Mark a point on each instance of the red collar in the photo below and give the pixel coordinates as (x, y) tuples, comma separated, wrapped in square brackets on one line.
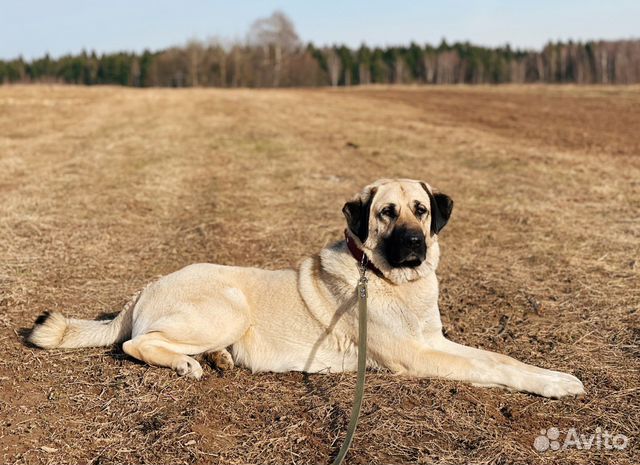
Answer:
[(357, 253)]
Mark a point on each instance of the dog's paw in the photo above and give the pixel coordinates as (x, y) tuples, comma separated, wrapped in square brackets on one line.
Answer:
[(189, 367), (557, 385), (220, 359)]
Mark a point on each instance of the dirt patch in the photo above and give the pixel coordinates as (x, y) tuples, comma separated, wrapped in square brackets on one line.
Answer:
[(105, 188), (587, 119)]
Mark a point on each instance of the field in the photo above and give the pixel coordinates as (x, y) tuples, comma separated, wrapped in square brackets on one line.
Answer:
[(103, 189)]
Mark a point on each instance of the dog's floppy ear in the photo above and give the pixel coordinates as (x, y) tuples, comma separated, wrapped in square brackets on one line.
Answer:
[(357, 214), (441, 208)]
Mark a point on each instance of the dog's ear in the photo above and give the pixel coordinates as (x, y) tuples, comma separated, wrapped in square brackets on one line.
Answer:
[(357, 214), (441, 208)]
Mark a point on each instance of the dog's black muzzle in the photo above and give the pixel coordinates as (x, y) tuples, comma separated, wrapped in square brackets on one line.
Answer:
[(405, 247)]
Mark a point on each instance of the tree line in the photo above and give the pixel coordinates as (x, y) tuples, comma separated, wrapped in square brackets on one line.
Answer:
[(273, 56)]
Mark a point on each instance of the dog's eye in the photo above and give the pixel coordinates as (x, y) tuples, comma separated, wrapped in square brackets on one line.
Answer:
[(389, 211), (421, 210)]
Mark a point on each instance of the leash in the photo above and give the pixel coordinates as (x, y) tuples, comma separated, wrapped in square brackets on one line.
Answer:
[(362, 360)]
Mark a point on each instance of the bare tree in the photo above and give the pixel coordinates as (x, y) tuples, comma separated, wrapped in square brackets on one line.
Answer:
[(364, 74), (195, 52), (334, 65), (134, 78), (398, 71), (446, 64), (276, 33), (429, 64), (277, 29)]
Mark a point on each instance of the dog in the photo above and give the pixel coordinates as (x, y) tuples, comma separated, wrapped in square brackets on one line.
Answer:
[(305, 319)]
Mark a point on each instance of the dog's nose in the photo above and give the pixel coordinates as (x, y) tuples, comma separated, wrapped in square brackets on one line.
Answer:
[(413, 240)]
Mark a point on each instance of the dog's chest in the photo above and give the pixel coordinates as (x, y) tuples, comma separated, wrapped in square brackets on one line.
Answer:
[(409, 309)]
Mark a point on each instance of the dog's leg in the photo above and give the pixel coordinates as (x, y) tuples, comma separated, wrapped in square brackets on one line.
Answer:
[(155, 349), (445, 345), (470, 365)]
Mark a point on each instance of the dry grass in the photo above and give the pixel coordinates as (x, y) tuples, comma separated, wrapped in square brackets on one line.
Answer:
[(104, 188)]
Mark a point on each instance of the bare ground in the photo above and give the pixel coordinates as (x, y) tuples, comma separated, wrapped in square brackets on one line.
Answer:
[(102, 189)]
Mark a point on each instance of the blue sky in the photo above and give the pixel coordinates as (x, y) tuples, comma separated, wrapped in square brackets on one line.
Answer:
[(31, 28)]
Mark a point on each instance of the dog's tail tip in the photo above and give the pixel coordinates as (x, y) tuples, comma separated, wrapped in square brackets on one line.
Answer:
[(49, 330)]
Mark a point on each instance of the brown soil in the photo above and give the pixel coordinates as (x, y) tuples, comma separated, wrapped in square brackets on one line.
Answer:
[(105, 188)]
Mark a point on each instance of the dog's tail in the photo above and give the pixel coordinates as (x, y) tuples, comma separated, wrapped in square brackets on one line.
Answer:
[(54, 330)]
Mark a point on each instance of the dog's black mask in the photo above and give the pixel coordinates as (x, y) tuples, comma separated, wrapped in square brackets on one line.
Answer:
[(405, 247)]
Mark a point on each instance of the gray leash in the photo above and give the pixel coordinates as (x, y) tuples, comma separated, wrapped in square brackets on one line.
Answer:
[(362, 361)]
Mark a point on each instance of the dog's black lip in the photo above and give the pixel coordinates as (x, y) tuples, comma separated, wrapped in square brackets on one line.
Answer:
[(412, 262)]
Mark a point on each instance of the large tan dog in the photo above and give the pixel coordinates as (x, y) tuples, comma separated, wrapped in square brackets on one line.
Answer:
[(306, 319)]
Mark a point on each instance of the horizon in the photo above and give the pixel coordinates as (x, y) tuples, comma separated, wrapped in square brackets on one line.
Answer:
[(122, 27)]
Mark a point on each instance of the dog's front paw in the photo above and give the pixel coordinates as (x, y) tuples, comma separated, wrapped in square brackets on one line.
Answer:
[(556, 385), (189, 367)]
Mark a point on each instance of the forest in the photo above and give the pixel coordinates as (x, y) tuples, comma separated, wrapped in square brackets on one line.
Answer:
[(273, 55)]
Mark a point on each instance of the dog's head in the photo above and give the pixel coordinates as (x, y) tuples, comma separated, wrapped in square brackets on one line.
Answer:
[(396, 222)]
